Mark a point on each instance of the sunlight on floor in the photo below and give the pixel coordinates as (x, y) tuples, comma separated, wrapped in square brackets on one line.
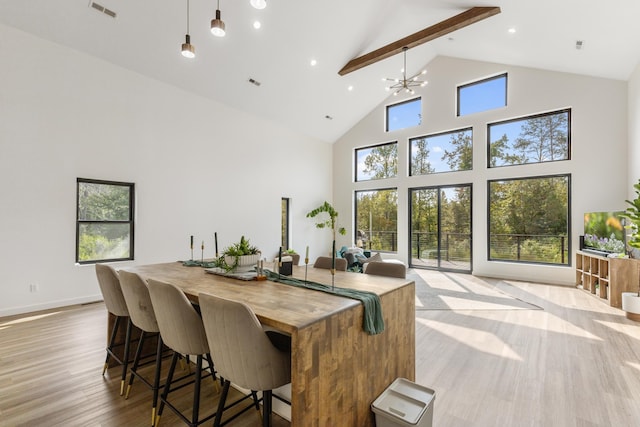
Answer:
[(630, 330), (27, 319), (482, 341)]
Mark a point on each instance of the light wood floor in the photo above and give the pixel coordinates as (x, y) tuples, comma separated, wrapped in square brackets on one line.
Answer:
[(574, 363)]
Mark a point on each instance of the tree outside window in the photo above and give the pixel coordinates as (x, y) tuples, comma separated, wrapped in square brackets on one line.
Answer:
[(529, 219), (104, 225), (377, 162), (534, 139), (443, 152), (377, 219)]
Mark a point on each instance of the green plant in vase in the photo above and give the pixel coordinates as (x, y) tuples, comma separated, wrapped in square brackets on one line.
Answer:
[(330, 222), (241, 254)]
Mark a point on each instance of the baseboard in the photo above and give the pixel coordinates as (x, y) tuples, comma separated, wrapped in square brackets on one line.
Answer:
[(48, 305)]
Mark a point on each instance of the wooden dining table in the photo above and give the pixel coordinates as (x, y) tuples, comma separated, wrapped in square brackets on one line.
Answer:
[(337, 369)]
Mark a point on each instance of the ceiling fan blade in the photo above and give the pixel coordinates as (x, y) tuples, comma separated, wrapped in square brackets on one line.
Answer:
[(447, 26)]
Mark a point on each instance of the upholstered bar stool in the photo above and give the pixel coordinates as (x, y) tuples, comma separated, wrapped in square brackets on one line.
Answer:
[(325, 262), (136, 295), (116, 305), (182, 331), (242, 351), (389, 269)]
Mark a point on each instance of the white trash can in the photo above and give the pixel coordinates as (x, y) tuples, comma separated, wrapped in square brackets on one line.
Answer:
[(404, 403)]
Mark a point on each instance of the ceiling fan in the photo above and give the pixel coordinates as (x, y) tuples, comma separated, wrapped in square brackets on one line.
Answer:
[(468, 17)]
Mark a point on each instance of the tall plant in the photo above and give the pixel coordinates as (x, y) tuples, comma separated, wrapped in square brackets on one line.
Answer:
[(632, 213), (330, 222)]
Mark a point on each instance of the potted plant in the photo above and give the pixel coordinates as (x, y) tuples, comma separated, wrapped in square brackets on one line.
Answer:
[(240, 256), (631, 300), (329, 222)]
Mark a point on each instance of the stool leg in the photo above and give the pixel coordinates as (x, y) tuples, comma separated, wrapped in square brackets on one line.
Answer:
[(111, 341), (221, 402), (136, 362), (156, 380), (125, 358), (196, 391), (266, 408), (167, 386)]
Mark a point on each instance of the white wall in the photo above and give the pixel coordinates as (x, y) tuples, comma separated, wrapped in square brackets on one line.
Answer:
[(199, 167), (598, 164)]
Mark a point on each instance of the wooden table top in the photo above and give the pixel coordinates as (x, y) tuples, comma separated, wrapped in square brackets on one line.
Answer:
[(285, 307)]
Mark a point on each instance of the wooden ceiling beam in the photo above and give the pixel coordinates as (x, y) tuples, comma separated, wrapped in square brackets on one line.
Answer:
[(447, 26)]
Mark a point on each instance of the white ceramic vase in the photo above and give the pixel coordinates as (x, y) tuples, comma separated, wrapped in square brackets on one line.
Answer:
[(245, 262), (631, 305)]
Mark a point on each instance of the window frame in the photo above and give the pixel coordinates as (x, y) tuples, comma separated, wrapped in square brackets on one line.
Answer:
[(286, 222), (479, 82), (130, 221), (524, 118), (355, 218), (397, 104), (433, 135), (569, 222), (355, 160)]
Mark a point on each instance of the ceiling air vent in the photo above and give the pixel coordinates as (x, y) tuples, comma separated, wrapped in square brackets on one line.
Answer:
[(101, 8)]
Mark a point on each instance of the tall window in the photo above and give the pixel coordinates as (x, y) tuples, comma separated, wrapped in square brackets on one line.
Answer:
[(104, 224), (284, 240), (443, 152), (404, 114), (483, 95), (534, 139), (377, 162), (529, 219), (440, 227), (376, 225)]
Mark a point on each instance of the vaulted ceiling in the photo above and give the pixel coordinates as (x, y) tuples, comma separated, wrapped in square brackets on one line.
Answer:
[(146, 36)]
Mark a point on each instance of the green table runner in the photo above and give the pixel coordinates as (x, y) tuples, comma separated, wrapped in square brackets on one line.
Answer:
[(373, 323)]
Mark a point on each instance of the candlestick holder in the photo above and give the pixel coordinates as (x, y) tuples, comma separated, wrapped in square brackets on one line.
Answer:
[(333, 279), (306, 267)]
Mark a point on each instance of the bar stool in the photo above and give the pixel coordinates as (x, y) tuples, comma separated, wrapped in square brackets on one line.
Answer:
[(389, 269), (116, 305), (182, 331), (325, 262), (136, 295), (243, 352)]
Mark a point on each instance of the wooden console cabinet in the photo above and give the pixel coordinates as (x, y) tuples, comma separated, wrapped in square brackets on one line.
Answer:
[(606, 277)]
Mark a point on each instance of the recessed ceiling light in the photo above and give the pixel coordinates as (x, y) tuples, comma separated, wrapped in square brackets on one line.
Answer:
[(350, 88), (257, 25), (512, 30), (313, 62)]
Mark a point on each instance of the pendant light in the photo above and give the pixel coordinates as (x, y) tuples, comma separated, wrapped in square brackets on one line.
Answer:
[(217, 24), (188, 50), (258, 4)]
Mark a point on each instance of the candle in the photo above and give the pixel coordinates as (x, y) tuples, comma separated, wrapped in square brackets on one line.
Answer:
[(280, 256), (191, 242), (307, 253), (333, 256), (202, 245), (215, 237)]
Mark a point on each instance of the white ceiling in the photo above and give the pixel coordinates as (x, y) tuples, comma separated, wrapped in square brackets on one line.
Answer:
[(147, 34)]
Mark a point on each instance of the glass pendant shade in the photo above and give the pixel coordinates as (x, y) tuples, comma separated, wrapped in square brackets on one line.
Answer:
[(188, 50), (217, 25), (258, 4)]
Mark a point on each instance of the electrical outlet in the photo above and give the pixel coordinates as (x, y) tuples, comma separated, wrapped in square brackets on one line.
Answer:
[(33, 287)]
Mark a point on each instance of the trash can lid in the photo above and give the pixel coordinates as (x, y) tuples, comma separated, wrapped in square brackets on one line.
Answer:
[(404, 400)]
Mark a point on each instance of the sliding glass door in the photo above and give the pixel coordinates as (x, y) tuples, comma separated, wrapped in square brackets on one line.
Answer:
[(440, 227)]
